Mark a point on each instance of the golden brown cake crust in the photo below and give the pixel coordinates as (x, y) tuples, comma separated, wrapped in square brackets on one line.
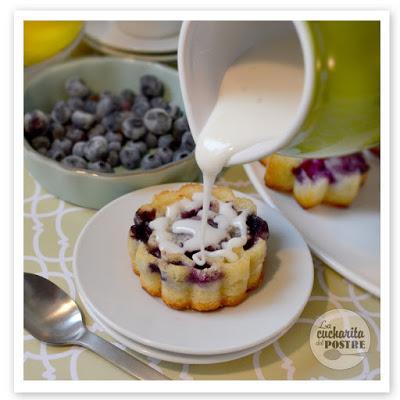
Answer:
[(164, 277), (278, 174)]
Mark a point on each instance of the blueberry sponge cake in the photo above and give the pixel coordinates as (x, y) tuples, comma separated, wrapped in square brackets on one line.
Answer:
[(335, 181), (164, 247)]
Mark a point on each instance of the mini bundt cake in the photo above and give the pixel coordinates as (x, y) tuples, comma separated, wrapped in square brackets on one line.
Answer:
[(335, 181), (164, 248)]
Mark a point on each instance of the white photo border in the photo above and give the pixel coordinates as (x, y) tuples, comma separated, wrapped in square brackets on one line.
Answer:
[(242, 386)]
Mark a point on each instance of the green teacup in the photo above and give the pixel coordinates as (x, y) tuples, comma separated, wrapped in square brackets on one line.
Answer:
[(339, 107)]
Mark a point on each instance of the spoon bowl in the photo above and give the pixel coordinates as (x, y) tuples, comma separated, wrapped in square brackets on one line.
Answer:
[(49, 313)]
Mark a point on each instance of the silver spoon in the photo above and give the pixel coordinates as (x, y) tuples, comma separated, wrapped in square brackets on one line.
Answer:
[(51, 316)]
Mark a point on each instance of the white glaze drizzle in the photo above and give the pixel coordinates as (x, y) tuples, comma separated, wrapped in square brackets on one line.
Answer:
[(178, 235), (175, 209)]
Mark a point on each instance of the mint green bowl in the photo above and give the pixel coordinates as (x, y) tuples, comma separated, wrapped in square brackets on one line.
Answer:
[(87, 188)]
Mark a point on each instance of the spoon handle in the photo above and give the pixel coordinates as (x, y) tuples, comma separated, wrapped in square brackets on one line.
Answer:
[(118, 357)]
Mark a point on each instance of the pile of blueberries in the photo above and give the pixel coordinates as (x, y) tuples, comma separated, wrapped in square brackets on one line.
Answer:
[(102, 131)]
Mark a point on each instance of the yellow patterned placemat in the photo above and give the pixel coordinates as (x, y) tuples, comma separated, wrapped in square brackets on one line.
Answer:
[(51, 228)]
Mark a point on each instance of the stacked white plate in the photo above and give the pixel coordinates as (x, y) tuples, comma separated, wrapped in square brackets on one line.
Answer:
[(348, 240), (114, 298), (110, 37)]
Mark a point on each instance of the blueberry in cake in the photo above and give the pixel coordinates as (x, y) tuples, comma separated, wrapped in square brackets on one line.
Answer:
[(335, 181), (165, 240)]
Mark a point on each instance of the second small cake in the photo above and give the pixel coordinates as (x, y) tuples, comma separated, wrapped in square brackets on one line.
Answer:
[(164, 248), (334, 181)]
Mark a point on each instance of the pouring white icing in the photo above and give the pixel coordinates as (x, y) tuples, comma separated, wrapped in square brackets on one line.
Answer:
[(175, 234), (258, 97)]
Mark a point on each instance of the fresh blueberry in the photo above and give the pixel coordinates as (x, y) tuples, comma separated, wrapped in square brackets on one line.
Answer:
[(74, 162), (55, 130), (35, 123), (158, 102), (133, 128), (90, 106), (165, 140), (75, 134), (124, 105), (126, 99), (151, 140), (158, 121), (113, 158), (40, 142), (105, 106), (166, 154), (141, 106), (114, 137), (112, 122), (151, 86), (97, 130), (150, 161), (114, 146), (180, 154), (126, 115), (180, 127), (100, 166), (173, 110), (79, 149), (75, 103), (128, 94), (141, 146), (63, 144), (187, 142), (56, 154), (96, 149), (130, 157), (76, 87), (61, 112), (141, 99), (82, 119), (177, 135)]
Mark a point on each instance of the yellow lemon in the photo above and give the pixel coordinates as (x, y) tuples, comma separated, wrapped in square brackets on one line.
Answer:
[(44, 39)]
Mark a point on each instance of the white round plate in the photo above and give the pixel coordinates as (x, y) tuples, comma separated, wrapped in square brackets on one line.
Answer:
[(105, 279), (176, 357), (348, 240), (108, 33)]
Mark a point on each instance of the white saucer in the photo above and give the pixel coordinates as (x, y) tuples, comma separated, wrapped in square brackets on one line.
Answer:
[(108, 33), (176, 357), (348, 240), (154, 57), (105, 279)]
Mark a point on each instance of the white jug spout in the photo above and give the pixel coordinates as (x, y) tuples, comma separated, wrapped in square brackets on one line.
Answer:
[(208, 48)]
